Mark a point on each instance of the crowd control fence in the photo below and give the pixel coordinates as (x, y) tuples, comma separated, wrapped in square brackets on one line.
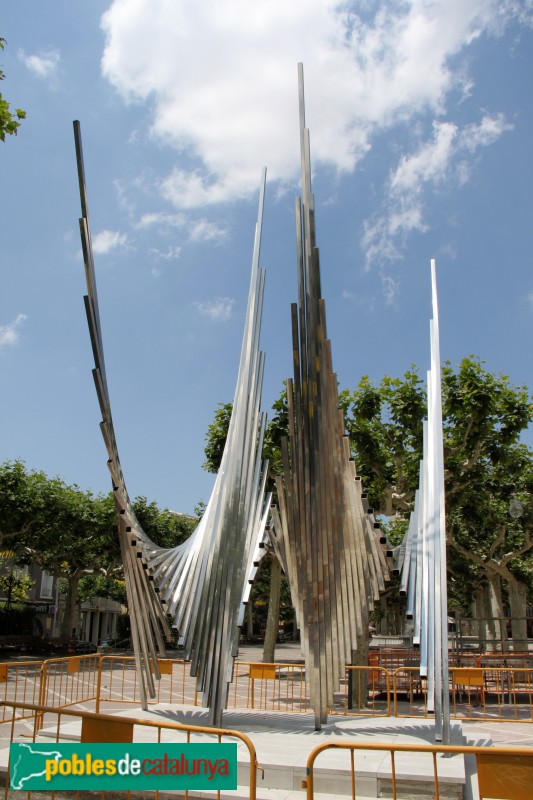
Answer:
[(493, 687), (499, 771), (19, 681), (58, 723)]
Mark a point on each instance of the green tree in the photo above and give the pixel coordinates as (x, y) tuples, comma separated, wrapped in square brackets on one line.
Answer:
[(66, 531), (9, 122), (215, 438), (277, 427), (261, 601), (98, 585), (486, 465), (15, 583), (385, 427), (23, 506), (72, 533), (165, 528)]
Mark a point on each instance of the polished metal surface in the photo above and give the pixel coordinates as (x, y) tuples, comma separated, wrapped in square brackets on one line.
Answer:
[(424, 577), (323, 532), (198, 587)]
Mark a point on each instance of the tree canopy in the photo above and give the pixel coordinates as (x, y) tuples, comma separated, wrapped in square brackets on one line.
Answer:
[(165, 528), (9, 121), (66, 531), (215, 438), (486, 464), (385, 427), (71, 533)]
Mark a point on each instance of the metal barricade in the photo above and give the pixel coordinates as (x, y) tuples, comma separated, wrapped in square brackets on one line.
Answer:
[(393, 659), (491, 692), (273, 687), (20, 682), (365, 692), (497, 694), (107, 728), (501, 771), (117, 682), (69, 681), (463, 659), (499, 660), (469, 684), (407, 682)]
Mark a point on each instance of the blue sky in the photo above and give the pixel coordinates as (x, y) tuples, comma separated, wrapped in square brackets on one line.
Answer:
[(421, 120)]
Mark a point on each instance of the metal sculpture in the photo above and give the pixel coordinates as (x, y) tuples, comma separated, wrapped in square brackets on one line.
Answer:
[(197, 587), (324, 532), (422, 557)]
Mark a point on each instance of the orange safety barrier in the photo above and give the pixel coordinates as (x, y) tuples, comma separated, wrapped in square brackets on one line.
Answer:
[(366, 692), (469, 681), (275, 687), (407, 682), (392, 659), (481, 692), (19, 681), (501, 771), (499, 694), (117, 682), (69, 681), (463, 659), (107, 728), (501, 660)]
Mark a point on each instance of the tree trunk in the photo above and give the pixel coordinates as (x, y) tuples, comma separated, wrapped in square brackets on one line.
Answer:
[(478, 614), (397, 619), (518, 603), (385, 624), (272, 627), (358, 678), (497, 621), (487, 624), (249, 622), (70, 606)]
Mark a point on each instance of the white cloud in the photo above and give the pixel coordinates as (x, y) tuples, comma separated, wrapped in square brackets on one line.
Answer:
[(44, 65), (487, 132), (217, 308), (161, 219), (170, 254), (9, 334), (106, 240), (197, 230), (391, 289), (124, 200), (230, 104), (429, 164), (202, 230), (447, 156)]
